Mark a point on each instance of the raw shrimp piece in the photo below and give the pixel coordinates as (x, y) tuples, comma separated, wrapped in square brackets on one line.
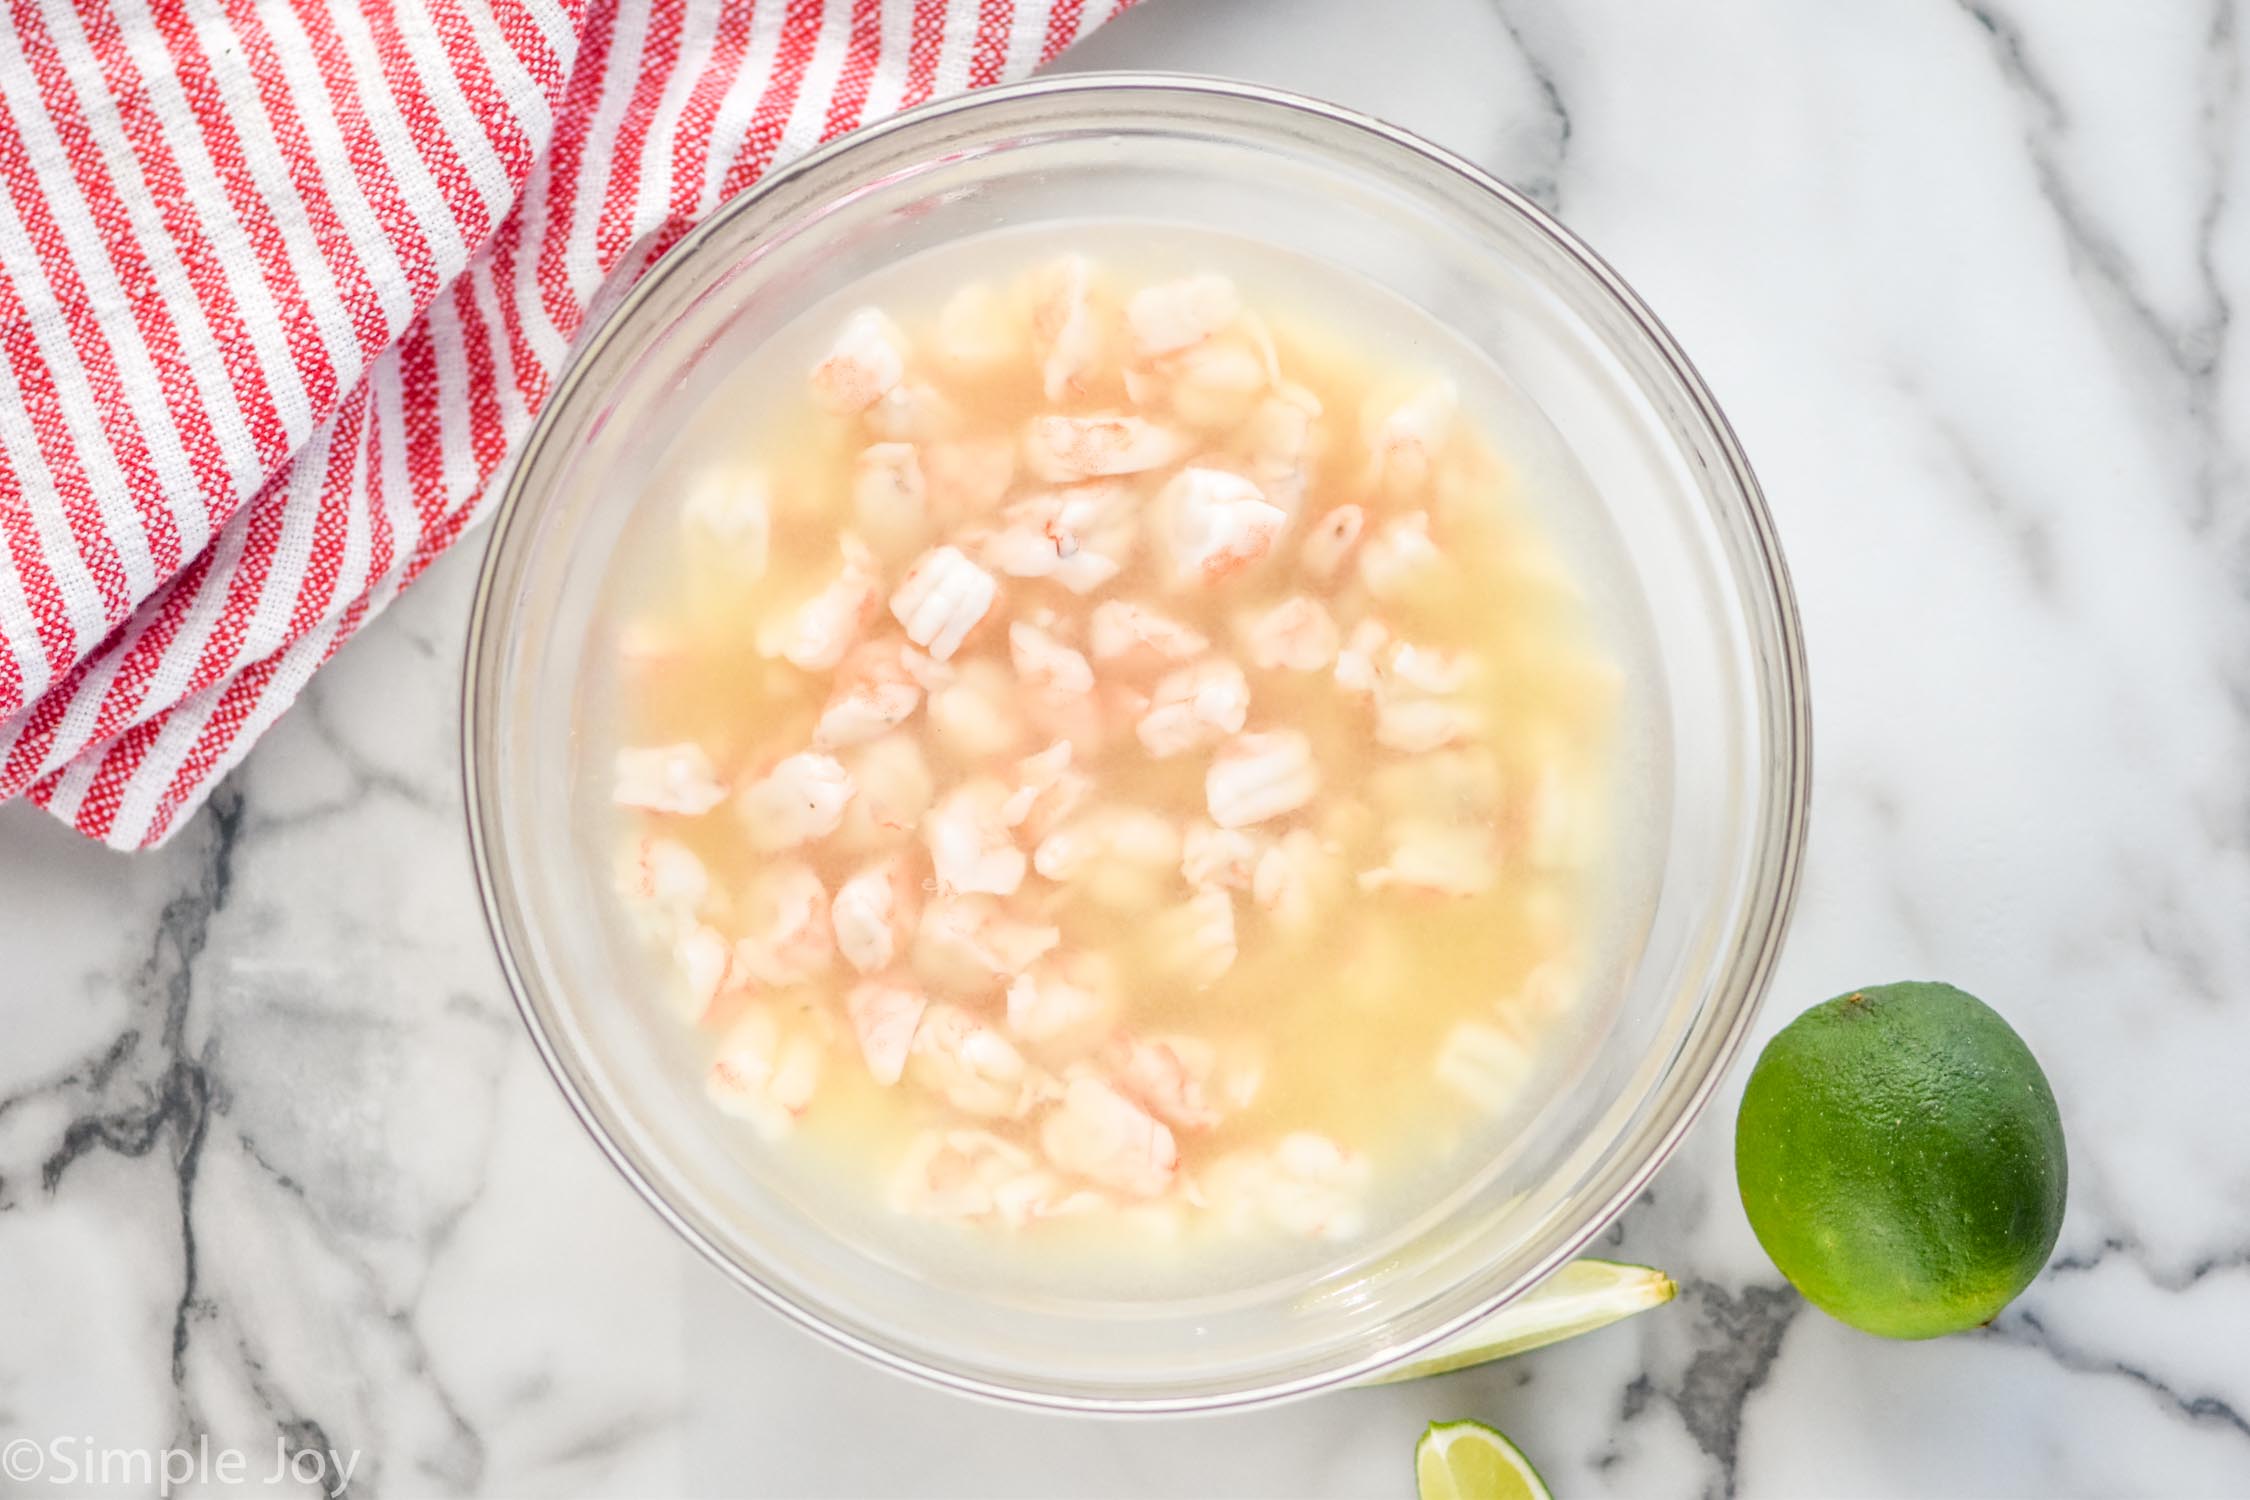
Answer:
[(1062, 450), (816, 634), (1297, 880), (1483, 1063), (1298, 635), (941, 599), (970, 945), (1258, 776), (1172, 315), (702, 957), (884, 1018), (1215, 525), (971, 848), (1224, 857), (875, 693), (1400, 557), (977, 716), (1064, 1006), (801, 799), (1046, 791), (1099, 1134), (973, 1067), (1200, 704), (894, 790), (1403, 441), (913, 411), (891, 498), (1330, 542), (977, 332), (1045, 666), (1164, 1075), (867, 360), (1066, 327), (1081, 536), (1195, 940), (968, 476), (733, 515), (874, 913), (1440, 858), (668, 779), (662, 882), (956, 1174), (1118, 629), (788, 938), (766, 1068)]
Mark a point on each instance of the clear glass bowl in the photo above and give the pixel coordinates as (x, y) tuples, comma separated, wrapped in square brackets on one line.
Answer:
[(1381, 205)]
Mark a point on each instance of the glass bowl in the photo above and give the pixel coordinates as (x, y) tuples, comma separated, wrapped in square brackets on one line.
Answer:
[(1727, 703)]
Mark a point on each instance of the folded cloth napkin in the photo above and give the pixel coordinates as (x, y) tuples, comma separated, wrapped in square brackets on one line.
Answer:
[(283, 283)]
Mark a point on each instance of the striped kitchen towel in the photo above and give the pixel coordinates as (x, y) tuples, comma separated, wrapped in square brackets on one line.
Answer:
[(283, 283)]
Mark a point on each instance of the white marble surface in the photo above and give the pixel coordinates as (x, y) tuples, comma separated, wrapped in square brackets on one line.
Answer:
[(275, 1158)]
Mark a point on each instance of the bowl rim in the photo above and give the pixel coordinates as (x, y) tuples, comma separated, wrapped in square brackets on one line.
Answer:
[(1782, 702)]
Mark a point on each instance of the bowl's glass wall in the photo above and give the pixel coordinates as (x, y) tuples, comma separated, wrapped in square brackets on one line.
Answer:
[(1730, 741)]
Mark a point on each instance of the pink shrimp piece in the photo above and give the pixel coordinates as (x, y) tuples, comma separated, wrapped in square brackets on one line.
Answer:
[(1164, 1075), (894, 789), (1297, 635), (977, 333), (971, 847), (1062, 450), (890, 497), (1216, 525), (799, 800), (789, 937), (941, 599), (1400, 557), (1282, 440), (1045, 666), (1297, 880), (1436, 858), (1064, 1006), (663, 883), (817, 633), (1305, 1184), (866, 361), (913, 411), (875, 692), (1254, 777), (1196, 940), (734, 514), (957, 1174), (968, 476), (703, 958), (1080, 536), (1404, 441), (1200, 704), (973, 1067), (1028, 1197), (1328, 546), (1224, 857), (668, 779), (1046, 792), (1132, 836), (1099, 1134), (970, 945), (1066, 327), (874, 914), (766, 1069), (884, 1018), (1364, 658), (1172, 315), (1119, 629)]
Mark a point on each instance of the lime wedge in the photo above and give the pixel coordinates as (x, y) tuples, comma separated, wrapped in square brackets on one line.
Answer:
[(1469, 1461), (1579, 1298)]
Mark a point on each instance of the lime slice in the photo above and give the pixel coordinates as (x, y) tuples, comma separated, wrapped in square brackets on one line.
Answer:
[(1469, 1461), (1579, 1298)]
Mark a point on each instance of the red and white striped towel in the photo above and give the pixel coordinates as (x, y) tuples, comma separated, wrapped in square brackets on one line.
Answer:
[(283, 282)]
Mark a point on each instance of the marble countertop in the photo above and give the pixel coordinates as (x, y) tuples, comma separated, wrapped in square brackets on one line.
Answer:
[(277, 1161)]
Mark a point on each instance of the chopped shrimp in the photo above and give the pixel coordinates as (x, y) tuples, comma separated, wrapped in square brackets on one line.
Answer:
[(969, 476), (884, 1018), (1118, 629), (1400, 558), (970, 844), (1045, 666), (801, 799), (970, 945), (1404, 440), (977, 332), (1439, 858), (867, 360), (1130, 835), (789, 937), (1297, 880), (702, 957), (913, 411), (875, 692), (1046, 791), (978, 716), (1215, 524), (1365, 655), (1316, 1186), (1330, 542), (663, 883), (1213, 385), (956, 1174), (1416, 722), (1461, 784), (1195, 940), (1298, 635), (1412, 687), (874, 913), (1099, 1134), (1063, 449), (1197, 705), (1172, 315), (1066, 327), (1064, 1006), (815, 635), (766, 1068), (1225, 857), (668, 779), (1081, 536), (894, 790), (1283, 438), (733, 514), (1556, 827), (976, 1069), (941, 599), (1164, 1075), (1258, 776), (1040, 1194), (891, 498), (1483, 1063)]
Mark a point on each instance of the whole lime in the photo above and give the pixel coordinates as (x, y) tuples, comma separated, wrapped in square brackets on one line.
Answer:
[(1901, 1159)]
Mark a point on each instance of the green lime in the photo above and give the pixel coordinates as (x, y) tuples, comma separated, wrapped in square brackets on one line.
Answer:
[(1470, 1461), (1901, 1159)]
